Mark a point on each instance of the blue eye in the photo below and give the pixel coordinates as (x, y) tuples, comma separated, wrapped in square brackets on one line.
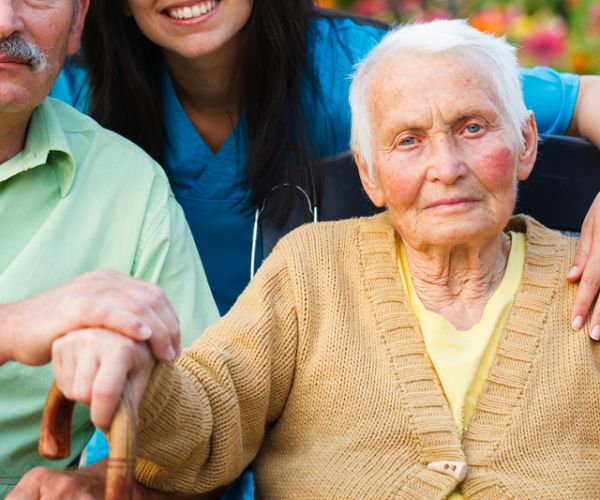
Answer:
[(473, 128), (408, 141)]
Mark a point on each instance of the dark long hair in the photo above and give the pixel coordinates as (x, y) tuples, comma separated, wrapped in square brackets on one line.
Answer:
[(126, 92)]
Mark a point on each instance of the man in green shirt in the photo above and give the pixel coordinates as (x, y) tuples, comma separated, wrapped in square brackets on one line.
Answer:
[(86, 218)]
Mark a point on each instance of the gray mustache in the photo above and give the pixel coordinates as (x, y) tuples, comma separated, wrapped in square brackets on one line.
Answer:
[(19, 48)]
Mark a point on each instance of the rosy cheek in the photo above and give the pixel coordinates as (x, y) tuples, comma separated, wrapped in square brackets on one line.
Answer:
[(402, 187), (497, 166)]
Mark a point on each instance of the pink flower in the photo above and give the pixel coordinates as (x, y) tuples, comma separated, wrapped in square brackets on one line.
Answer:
[(404, 6), (546, 45), (369, 7), (595, 17), (432, 15)]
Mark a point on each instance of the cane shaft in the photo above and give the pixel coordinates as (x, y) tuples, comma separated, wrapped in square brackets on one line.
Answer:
[(55, 439), (120, 472)]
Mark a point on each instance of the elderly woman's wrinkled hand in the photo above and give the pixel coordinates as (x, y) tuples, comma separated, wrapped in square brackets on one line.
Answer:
[(586, 270), (91, 366)]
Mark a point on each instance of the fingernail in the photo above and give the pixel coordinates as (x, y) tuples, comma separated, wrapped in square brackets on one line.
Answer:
[(145, 332), (572, 272), (577, 322), (171, 353), (595, 333)]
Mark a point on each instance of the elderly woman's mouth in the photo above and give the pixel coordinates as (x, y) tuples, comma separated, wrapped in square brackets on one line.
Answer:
[(451, 203)]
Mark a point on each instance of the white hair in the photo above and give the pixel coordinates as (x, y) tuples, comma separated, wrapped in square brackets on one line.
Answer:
[(494, 55)]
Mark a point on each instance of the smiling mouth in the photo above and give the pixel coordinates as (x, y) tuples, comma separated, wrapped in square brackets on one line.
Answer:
[(191, 11)]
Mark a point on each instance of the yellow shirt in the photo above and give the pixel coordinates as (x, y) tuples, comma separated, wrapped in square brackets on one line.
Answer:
[(462, 358)]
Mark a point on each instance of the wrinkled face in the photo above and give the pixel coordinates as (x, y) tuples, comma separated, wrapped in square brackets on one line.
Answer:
[(443, 162), (50, 29), (190, 28)]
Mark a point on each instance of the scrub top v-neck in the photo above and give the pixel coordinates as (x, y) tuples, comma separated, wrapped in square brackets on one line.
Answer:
[(211, 188)]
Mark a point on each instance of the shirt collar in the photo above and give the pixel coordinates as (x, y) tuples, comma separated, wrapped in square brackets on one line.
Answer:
[(45, 144)]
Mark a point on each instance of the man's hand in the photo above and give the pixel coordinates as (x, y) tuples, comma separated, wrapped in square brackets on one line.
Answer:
[(91, 366), (586, 269), (100, 299), (84, 484)]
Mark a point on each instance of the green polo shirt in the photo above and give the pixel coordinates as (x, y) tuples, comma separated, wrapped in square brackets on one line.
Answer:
[(79, 198)]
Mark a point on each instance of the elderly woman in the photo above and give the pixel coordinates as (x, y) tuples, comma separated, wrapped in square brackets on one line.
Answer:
[(420, 353)]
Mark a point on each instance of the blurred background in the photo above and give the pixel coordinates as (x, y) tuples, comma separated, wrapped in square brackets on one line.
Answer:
[(563, 34)]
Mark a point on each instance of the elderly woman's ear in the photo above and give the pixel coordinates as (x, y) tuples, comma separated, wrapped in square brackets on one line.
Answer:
[(529, 153), (369, 181)]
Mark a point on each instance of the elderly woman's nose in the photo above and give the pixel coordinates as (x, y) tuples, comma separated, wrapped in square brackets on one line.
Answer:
[(444, 161)]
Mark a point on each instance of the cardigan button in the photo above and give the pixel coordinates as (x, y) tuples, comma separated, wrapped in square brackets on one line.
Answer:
[(456, 470)]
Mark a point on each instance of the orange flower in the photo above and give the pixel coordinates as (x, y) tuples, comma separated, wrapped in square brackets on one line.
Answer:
[(581, 62), (328, 4), (489, 21)]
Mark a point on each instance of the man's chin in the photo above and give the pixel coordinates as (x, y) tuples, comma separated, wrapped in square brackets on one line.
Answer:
[(15, 98)]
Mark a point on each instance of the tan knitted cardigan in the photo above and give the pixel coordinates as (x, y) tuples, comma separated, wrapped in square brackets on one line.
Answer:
[(320, 375)]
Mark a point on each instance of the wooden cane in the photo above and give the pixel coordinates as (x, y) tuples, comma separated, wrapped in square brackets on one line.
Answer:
[(55, 439)]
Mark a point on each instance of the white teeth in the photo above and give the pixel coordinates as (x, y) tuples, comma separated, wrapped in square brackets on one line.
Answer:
[(196, 10)]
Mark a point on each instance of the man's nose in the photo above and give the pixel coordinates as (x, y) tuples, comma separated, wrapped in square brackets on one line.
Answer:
[(11, 20), (444, 162)]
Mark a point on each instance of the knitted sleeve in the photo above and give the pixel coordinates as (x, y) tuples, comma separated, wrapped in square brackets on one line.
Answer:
[(203, 418)]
